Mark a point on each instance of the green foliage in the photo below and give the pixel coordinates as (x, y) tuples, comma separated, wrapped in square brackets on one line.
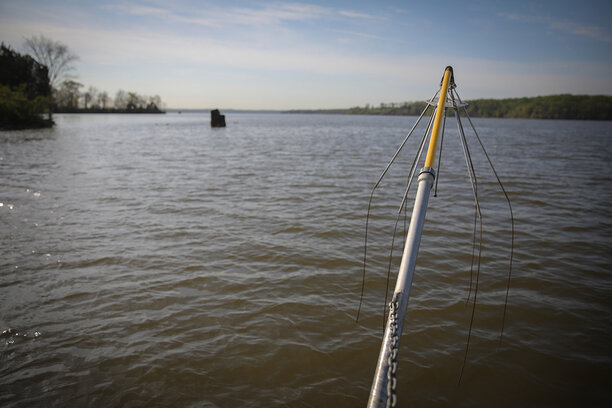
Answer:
[(406, 108), (565, 106), (24, 91), (19, 111)]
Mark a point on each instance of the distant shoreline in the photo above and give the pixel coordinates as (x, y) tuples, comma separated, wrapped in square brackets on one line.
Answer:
[(565, 106), (99, 110)]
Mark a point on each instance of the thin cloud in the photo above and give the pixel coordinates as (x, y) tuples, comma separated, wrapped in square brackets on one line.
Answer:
[(268, 14), (360, 34), (276, 13), (108, 46), (137, 10), (595, 32), (354, 14)]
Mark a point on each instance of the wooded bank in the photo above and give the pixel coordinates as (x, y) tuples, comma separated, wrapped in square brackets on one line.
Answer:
[(564, 106)]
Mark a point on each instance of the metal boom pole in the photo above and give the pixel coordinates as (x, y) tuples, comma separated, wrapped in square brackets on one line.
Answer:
[(382, 393)]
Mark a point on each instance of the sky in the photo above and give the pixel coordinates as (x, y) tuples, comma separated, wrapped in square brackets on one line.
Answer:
[(323, 54)]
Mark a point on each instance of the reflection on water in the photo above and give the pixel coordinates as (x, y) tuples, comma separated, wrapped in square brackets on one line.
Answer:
[(152, 260)]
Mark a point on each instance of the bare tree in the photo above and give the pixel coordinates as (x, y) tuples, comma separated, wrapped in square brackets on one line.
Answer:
[(103, 99), (68, 94), (54, 55), (155, 101), (90, 96), (120, 99), (133, 100)]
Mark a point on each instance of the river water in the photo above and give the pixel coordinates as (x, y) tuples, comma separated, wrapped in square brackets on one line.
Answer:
[(149, 260)]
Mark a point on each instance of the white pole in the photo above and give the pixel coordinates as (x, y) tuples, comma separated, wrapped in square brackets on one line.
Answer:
[(382, 389), (383, 393)]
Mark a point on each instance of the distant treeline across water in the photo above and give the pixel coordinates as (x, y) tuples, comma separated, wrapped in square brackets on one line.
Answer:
[(565, 106), (95, 109)]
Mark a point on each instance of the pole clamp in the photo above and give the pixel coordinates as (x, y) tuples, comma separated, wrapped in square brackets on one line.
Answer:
[(429, 170)]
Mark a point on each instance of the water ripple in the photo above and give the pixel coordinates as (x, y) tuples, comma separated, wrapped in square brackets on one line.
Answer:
[(153, 261)]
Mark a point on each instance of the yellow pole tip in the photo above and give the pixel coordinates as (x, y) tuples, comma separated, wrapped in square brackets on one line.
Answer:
[(452, 74)]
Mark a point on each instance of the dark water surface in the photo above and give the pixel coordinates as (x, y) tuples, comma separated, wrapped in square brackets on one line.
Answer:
[(153, 261)]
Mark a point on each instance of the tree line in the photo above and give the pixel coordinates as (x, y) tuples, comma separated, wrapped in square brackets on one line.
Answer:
[(564, 106), (70, 99), (39, 83)]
